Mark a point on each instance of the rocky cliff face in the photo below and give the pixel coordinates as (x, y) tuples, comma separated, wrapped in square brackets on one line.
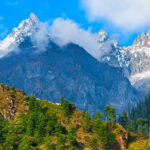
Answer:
[(135, 61), (67, 71), (25, 28), (20, 115), (12, 102), (70, 72)]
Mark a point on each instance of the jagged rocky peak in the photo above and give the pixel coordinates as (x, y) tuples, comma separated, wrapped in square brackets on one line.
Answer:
[(25, 28), (103, 36), (105, 40), (33, 17), (143, 40)]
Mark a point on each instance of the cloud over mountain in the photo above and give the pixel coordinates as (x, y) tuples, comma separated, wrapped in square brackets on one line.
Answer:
[(40, 37), (65, 31), (61, 31), (127, 14)]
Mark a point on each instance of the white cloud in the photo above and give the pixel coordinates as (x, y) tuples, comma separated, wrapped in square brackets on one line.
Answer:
[(62, 32), (130, 15), (65, 31), (40, 37)]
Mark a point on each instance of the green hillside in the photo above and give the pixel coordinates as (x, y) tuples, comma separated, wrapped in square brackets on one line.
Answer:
[(27, 123)]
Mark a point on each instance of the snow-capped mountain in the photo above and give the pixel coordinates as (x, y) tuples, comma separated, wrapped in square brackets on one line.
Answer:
[(114, 55), (140, 63), (68, 71), (25, 28), (103, 36), (135, 61)]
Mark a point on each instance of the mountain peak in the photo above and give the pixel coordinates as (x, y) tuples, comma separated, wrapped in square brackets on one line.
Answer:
[(25, 28), (103, 36), (143, 40), (33, 17)]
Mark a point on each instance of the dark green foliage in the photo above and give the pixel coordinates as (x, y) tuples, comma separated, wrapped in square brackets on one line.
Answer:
[(97, 122), (60, 142), (33, 105), (2, 125), (142, 126), (105, 136), (140, 116), (26, 143), (44, 125), (123, 120), (67, 107), (131, 125), (86, 123), (41, 124), (107, 140), (72, 138), (94, 144), (11, 141), (110, 113), (48, 144), (51, 126), (32, 129), (142, 110)]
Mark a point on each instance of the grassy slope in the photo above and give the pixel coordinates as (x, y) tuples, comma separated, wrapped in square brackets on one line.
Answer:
[(137, 142), (13, 103)]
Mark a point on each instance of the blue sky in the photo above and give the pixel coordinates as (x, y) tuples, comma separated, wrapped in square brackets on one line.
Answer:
[(12, 12)]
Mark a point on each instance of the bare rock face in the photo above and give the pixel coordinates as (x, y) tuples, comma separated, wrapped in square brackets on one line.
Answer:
[(121, 136), (135, 61), (67, 71), (70, 72), (25, 28), (12, 102)]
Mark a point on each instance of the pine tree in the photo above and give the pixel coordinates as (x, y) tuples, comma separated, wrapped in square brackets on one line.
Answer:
[(2, 125), (110, 113), (72, 138), (140, 116), (48, 144), (60, 142), (67, 107), (142, 126), (86, 122), (24, 145), (123, 120), (97, 122), (94, 143)]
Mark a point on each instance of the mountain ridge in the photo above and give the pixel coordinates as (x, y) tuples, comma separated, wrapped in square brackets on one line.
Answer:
[(68, 71), (31, 123), (25, 28), (134, 60)]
